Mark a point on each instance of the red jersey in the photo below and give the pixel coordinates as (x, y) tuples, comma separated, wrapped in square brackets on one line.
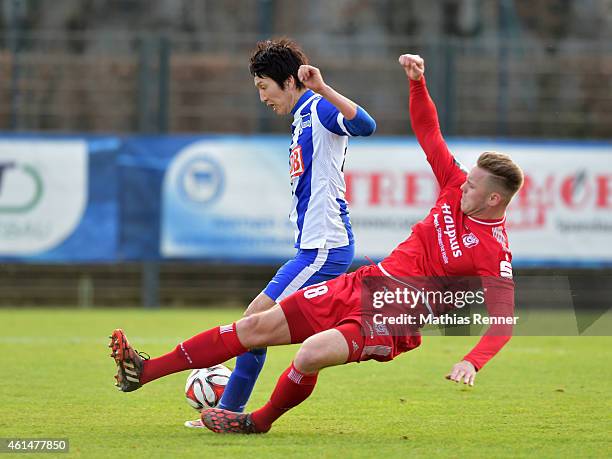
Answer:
[(450, 243)]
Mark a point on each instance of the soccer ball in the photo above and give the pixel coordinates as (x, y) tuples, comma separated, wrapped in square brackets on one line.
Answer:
[(205, 386)]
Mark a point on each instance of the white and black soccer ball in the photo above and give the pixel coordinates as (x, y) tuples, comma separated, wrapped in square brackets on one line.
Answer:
[(205, 386)]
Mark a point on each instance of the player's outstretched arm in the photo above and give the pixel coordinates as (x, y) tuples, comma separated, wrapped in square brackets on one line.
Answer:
[(424, 121), (499, 298), (357, 119), (423, 113)]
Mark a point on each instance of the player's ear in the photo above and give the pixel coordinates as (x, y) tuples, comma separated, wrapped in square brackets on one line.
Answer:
[(495, 198), (289, 83)]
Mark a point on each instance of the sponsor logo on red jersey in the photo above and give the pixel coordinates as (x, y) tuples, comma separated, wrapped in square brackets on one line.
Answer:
[(296, 164), (505, 269), (450, 230)]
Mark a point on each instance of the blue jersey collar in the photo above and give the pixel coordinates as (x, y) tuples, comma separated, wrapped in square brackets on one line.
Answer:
[(301, 100)]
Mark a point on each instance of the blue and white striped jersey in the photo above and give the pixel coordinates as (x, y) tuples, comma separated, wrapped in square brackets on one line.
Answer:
[(318, 146)]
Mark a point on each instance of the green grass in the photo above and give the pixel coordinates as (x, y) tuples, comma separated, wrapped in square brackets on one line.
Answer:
[(541, 396)]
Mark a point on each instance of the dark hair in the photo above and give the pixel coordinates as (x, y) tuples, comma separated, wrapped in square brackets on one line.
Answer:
[(278, 60), (505, 172)]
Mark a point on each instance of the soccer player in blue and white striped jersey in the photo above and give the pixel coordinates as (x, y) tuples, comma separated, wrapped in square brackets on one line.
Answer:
[(323, 119)]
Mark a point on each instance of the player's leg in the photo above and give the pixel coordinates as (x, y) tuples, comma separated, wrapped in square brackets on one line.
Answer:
[(320, 308), (325, 349), (248, 365), (208, 348), (307, 268)]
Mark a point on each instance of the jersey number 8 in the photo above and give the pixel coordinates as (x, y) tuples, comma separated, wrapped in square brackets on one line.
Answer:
[(316, 290)]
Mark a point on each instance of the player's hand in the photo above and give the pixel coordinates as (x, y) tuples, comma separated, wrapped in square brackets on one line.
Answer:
[(413, 64), (311, 77), (463, 370)]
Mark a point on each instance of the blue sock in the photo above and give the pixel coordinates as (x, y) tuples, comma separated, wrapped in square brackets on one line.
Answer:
[(242, 380)]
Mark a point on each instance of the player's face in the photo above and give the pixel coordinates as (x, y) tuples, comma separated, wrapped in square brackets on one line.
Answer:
[(271, 94), (476, 192)]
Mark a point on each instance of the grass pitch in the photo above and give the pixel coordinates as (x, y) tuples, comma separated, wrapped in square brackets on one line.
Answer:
[(540, 397)]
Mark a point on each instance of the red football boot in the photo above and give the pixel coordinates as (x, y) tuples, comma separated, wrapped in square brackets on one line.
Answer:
[(128, 360), (224, 421)]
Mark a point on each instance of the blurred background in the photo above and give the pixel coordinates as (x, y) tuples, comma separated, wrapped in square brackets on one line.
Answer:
[(506, 68), (119, 101)]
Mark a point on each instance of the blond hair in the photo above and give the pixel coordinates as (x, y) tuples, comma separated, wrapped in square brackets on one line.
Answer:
[(504, 172)]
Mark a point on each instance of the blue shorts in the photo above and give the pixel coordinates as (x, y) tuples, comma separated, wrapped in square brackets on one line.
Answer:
[(309, 267)]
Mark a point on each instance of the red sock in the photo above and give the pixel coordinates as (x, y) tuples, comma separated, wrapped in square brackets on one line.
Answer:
[(292, 388), (201, 351)]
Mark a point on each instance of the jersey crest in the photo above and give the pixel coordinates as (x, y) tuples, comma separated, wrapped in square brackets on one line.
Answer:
[(296, 163), (470, 240)]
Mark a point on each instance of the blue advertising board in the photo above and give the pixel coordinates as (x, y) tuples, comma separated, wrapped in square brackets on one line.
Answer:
[(227, 198)]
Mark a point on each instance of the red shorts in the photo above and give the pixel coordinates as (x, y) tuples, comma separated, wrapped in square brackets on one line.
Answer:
[(337, 302)]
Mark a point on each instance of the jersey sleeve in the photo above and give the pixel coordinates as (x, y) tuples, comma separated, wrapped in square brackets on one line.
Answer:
[(426, 127), (498, 288), (331, 118)]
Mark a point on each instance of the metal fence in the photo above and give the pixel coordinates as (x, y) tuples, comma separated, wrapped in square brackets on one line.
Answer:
[(126, 82), (127, 284)]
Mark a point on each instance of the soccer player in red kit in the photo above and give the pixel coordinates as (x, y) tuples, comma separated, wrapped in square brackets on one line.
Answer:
[(463, 235)]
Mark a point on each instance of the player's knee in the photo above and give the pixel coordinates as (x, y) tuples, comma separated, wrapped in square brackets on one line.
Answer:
[(260, 304), (253, 308), (252, 330), (309, 358), (247, 330), (248, 312)]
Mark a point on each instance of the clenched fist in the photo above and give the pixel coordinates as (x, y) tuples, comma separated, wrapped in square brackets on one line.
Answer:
[(311, 77), (413, 64)]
